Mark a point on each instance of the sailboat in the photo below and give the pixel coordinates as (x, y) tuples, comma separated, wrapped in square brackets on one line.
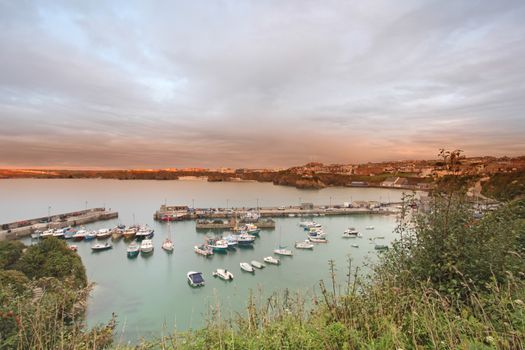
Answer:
[(281, 250), (167, 245)]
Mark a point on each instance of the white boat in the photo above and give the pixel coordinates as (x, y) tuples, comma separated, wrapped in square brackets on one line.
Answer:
[(272, 260), (355, 245), (47, 233), (101, 246), (318, 240), (79, 235), (133, 250), (103, 233), (257, 264), (146, 246), (144, 232), (195, 279), (304, 245), (223, 274), (59, 233), (380, 247), (370, 227), (36, 234), (281, 251), (167, 245), (246, 267), (203, 250)]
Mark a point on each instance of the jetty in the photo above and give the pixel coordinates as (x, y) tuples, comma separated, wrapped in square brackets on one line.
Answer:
[(23, 228)]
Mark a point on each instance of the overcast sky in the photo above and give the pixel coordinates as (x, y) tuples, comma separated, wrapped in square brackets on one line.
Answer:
[(152, 84)]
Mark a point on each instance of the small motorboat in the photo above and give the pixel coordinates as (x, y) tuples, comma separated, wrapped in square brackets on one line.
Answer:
[(370, 227), (318, 240), (203, 250), (272, 260), (223, 274), (245, 239), (304, 245), (47, 233), (103, 233), (246, 267), (146, 246), (79, 235), (257, 264), (281, 251), (355, 245), (351, 233), (380, 247), (129, 233), (73, 248), (167, 245), (218, 246), (116, 233), (195, 279), (59, 233), (90, 235), (144, 233), (101, 246), (133, 250)]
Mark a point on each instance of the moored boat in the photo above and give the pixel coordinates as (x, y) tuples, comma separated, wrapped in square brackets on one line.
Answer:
[(284, 252), (245, 239), (59, 233), (318, 240), (257, 264), (272, 260), (129, 233), (304, 245), (203, 250), (167, 245), (79, 235), (101, 246), (133, 250), (144, 233), (103, 233), (146, 246), (380, 247), (47, 233), (36, 234), (90, 235), (195, 279), (247, 267), (223, 274), (218, 246)]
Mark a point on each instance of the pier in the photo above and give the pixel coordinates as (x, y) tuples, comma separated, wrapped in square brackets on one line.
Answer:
[(23, 228)]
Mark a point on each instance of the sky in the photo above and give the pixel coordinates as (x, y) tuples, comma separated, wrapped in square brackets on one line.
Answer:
[(273, 83)]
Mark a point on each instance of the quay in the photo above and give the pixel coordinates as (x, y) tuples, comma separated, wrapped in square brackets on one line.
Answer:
[(19, 229)]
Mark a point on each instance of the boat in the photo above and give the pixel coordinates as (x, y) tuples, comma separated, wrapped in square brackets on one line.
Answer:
[(379, 237), (281, 251), (101, 246), (103, 233), (47, 233), (355, 245), (129, 233), (257, 264), (246, 267), (318, 240), (370, 227), (69, 233), (223, 274), (90, 235), (195, 279), (144, 233), (133, 250), (73, 248), (380, 247), (272, 260), (146, 246), (304, 245), (59, 233), (36, 234), (218, 245), (116, 233), (245, 239), (79, 235), (351, 233), (231, 240), (167, 245), (250, 229), (316, 232), (203, 250)]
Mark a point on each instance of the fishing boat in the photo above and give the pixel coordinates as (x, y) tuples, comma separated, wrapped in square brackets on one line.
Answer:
[(380, 247), (36, 234), (47, 233), (318, 240), (69, 233), (218, 245), (90, 235), (101, 246), (223, 274), (59, 233), (203, 250), (257, 264), (304, 245), (146, 246), (144, 232), (250, 229), (129, 233), (247, 267), (103, 233), (167, 245), (116, 233), (245, 239), (231, 240), (79, 235), (281, 251), (272, 260), (370, 227), (195, 279), (133, 250)]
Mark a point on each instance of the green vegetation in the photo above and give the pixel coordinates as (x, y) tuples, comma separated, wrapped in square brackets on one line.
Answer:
[(505, 186)]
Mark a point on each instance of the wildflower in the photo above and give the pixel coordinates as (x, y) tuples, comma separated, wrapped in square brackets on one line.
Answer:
[(489, 340)]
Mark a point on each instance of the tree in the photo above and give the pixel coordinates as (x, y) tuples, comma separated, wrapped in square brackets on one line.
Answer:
[(10, 252)]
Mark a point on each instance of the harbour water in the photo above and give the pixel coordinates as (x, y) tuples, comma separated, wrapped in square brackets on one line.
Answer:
[(150, 294)]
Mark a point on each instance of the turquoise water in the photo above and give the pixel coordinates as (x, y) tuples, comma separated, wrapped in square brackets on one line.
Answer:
[(149, 294)]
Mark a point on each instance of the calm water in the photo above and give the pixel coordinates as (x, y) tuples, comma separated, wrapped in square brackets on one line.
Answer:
[(149, 294)]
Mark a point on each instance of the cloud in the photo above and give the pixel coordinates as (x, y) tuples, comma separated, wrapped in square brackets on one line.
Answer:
[(248, 83)]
